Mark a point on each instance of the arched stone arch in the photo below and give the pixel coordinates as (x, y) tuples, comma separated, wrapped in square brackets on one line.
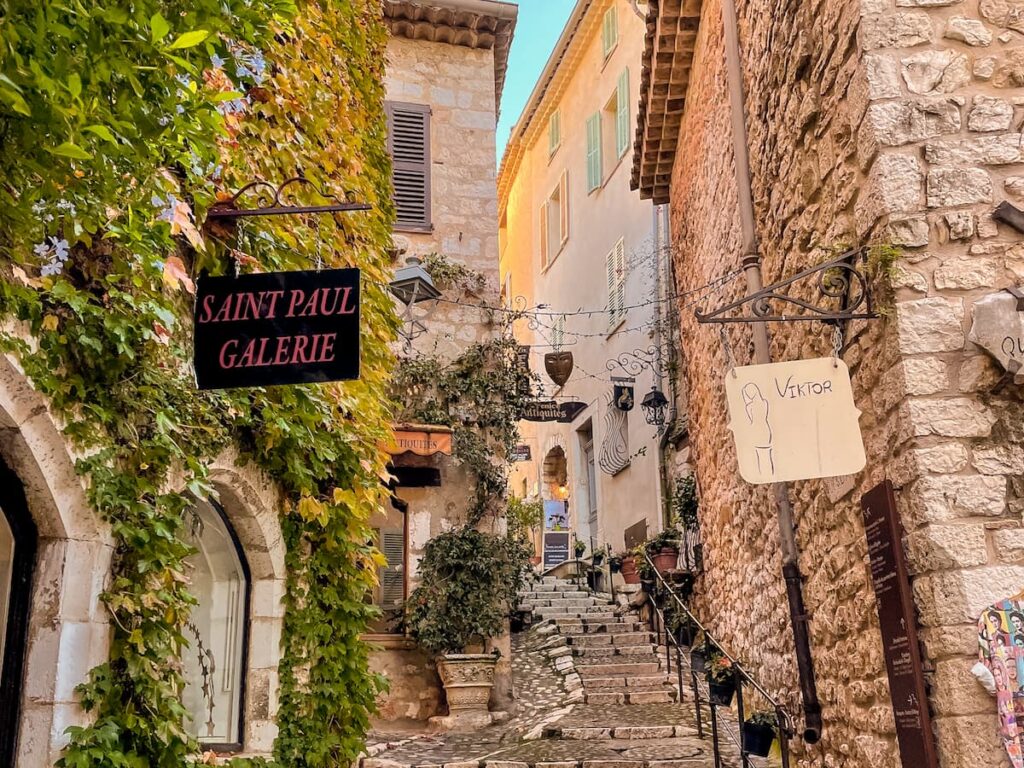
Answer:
[(252, 504), (68, 630)]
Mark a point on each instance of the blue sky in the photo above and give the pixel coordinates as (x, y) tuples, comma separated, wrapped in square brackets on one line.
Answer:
[(538, 28)]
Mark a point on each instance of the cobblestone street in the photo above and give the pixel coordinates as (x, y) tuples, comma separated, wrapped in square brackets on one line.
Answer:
[(563, 719)]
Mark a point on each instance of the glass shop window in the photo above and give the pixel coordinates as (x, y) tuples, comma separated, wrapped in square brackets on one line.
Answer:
[(217, 633)]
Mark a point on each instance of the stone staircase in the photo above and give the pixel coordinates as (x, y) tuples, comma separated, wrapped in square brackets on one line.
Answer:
[(614, 657)]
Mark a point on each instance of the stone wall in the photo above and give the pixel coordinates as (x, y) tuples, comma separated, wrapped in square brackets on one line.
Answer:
[(869, 121)]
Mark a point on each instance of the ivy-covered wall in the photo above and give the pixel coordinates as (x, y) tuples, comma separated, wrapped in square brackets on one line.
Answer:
[(121, 122)]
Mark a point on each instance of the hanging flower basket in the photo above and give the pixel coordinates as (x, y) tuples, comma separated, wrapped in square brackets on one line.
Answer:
[(757, 738), (629, 572), (697, 661), (721, 693), (615, 562)]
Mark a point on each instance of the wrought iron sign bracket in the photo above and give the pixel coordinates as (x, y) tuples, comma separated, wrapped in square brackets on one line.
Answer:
[(841, 282), (636, 362), (279, 201)]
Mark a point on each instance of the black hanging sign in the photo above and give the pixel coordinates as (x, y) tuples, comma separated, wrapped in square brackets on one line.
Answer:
[(551, 410), (623, 397), (277, 328)]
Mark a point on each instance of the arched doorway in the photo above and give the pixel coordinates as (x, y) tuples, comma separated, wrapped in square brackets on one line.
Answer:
[(18, 541), (218, 630)]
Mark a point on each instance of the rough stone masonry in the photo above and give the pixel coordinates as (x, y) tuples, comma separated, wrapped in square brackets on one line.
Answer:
[(894, 121)]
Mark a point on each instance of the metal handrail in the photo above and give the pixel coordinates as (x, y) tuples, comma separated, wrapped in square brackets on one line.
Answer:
[(786, 725)]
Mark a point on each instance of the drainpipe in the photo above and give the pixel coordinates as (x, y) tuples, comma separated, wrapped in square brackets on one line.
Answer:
[(751, 263)]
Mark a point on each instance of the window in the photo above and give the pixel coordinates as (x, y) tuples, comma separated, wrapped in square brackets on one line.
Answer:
[(18, 538), (554, 222), (594, 164), (609, 32), (615, 266), (554, 132), (409, 146), (214, 663)]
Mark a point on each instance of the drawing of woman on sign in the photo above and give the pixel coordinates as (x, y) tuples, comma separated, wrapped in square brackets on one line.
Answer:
[(756, 408)]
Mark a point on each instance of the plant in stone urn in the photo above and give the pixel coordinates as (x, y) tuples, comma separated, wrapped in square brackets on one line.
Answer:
[(664, 548), (468, 584)]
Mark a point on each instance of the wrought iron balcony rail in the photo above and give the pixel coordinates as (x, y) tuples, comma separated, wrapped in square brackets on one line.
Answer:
[(785, 728)]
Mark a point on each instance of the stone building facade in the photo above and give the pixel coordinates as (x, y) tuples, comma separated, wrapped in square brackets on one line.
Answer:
[(869, 121), (575, 236), (446, 60)]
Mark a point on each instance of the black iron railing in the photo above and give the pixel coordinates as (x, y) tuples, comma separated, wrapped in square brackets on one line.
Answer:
[(700, 689)]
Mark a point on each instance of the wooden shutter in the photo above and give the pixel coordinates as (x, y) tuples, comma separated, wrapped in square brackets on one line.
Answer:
[(563, 207), (544, 235), (615, 265), (409, 145), (622, 114), (392, 577), (554, 132), (593, 152), (609, 31)]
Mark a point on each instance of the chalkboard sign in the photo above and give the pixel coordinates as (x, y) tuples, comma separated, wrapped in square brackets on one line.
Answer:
[(277, 328), (891, 581), (556, 548)]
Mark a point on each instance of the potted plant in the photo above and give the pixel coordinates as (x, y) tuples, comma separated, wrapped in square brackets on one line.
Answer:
[(664, 549), (759, 733), (698, 664), (682, 627), (645, 572), (468, 584), (721, 679), (579, 548), (628, 568), (599, 555)]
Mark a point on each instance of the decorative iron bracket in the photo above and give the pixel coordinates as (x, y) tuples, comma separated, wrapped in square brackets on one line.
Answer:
[(636, 362), (279, 201), (838, 281)]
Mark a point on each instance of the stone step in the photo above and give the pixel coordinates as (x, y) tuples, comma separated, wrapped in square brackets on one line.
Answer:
[(624, 668), (621, 733), (661, 696), (567, 602), (600, 628), (601, 618), (592, 640), (623, 652), (629, 681)]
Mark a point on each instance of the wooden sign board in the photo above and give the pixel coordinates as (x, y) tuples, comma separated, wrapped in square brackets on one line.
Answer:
[(551, 410), (794, 420), (277, 328), (898, 622)]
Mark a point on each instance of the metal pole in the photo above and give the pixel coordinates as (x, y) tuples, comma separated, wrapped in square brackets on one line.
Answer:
[(738, 682), (751, 263)]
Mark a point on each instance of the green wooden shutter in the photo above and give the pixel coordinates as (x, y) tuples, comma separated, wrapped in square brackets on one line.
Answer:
[(594, 151), (622, 114), (609, 31), (409, 145), (392, 577)]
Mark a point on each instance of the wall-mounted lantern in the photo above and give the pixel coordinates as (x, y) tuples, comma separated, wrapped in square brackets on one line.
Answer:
[(654, 405), (411, 285)]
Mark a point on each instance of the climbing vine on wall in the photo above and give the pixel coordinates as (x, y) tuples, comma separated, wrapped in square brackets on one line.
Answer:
[(121, 123)]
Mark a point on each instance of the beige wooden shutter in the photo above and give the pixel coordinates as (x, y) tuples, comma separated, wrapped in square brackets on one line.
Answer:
[(563, 207), (409, 145), (544, 235)]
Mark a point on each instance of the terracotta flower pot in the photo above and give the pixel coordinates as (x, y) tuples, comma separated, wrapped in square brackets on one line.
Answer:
[(757, 739), (467, 679), (629, 572), (665, 560)]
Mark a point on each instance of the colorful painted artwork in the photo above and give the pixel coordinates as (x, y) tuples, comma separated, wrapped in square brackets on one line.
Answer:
[(1001, 649)]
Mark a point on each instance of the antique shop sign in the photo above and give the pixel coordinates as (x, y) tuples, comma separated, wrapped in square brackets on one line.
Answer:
[(556, 549), (998, 328), (277, 328), (898, 622), (551, 410), (422, 442), (794, 421), (521, 452)]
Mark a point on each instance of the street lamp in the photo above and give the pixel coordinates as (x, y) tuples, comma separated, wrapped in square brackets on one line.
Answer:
[(411, 285), (654, 404)]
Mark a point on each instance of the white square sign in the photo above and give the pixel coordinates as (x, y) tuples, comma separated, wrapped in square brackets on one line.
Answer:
[(794, 421)]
